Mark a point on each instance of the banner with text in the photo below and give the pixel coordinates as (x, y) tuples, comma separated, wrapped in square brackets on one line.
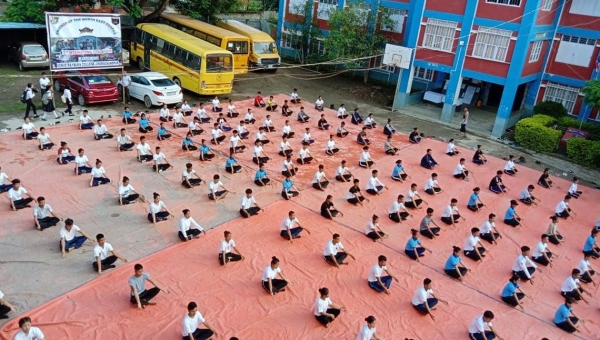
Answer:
[(84, 41)]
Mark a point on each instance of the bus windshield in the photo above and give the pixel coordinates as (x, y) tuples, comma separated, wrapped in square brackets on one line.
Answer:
[(237, 47), (218, 63), (264, 47)]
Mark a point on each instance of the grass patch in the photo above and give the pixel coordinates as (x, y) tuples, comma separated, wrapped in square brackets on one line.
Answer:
[(11, 69), (13, 107)]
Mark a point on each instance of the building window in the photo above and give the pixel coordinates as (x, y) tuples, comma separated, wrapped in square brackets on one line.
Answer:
[(423, 73), (297, 7), (439, 35), (325, 8), (492, 44), (329, 2), (290, 40), (575, 50), (397, 21), (566, 95), (516, 3), (317, 46), (585, 7), (547, 5), (536, 50)]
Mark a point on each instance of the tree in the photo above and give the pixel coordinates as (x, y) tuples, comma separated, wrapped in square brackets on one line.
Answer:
[(355, 35), (28, 10), (193, 8), (591, 93)]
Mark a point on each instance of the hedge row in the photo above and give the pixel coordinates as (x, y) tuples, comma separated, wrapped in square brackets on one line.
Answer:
[(593, 129), (583, 151), (535, 134)]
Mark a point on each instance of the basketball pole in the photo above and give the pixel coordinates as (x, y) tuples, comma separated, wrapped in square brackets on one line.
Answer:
[(397, 86)]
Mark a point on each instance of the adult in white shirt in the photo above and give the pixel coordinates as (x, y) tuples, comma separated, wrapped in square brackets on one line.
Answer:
[(100, 131), (365, 160), (68, 240), (368, 331), (526, 197), (160, 161), (288, 229), (127, 194), (143, 150), (194, 127), (319, 104), (45, 141), (5, 307), (304, 155), (227, 248), (477, 327), (374, 185), (335, 253), (451, 215), (284, 147), (432, 186), (573, 189), (378, 282), (261, 136), (585, 269), (572, 289), (424, 300), (216, 105), (188, 228), (488, 230), (258, 154), (27, 331), (342, 173), (563, 209), (397, 211), (165, 114), (287, 167), (451, 149), (541, 253), (325, 310), (216, 190), (179, 120), (320, 180), (157, 210), (286, 130), (190, 322), (16, 196), (373, 231), (126, 83), (189, 177), (249, 206), (330, 149), (85, 121), (461, 171), (294, 97), (509, 167), (186, 108), (43, 215), (523, 266), (473, 248), (44, 84), (124, 142), (98, 175), (270, 282), (104, 255), (139, 294), (341, 112), (29, 131)]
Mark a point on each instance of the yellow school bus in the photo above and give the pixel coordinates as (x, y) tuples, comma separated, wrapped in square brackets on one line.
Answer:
[(232, 42), (193, 64), (263, 50)]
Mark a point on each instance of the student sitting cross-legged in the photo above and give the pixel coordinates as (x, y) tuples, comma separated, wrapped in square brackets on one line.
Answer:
[(68, 238), (325, 310), (124, 142), (206, 153), (424, 300), (378, 282), (189, 177), (512, 293), (414, 136), (160, 161), (16, 196), (454, 266), (157, 210), (362, 138), (475, 204), (424, 227), (414, 249), (249, 206), (141, 296), (288, 189), (98, 175), (341, 130), (43, 215), (188, 228), (4, 187), (227, 249), (397, 211), (216, 189), (270, 282), (342, 172), (231, 164), (473, 247), (373, 231), (260, 177), (389, 148), (328, 210), (44, 139), (488, 230), (389, 129), (335, 253), (85, 121), (320, 180), (104, 255), (398, 173), (100, 131), (144, 124), (288, 229), (127, 194), (187, 144), (64, 154), (427, 161)]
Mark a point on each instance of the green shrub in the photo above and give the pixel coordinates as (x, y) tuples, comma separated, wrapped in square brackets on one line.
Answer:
[(550, 108), (593, 129), (584, 152), (534, 134)]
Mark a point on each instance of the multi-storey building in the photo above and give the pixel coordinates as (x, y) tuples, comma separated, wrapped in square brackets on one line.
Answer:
[(504, 54)]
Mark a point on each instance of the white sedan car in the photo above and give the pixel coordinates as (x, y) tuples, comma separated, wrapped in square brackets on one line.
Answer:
[(154, 89)]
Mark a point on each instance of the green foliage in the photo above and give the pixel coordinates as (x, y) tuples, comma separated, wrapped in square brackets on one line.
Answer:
[(302, 32), (207, 9), (584, 152), (534, 134), (28, 10), (593, 129), (591, 93), (132, 7), (550, 108)]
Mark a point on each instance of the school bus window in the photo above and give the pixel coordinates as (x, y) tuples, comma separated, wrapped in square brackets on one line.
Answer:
[(218, 63), (192, 62), (264, 47), (199, 35), (237, 47), (213, 40)]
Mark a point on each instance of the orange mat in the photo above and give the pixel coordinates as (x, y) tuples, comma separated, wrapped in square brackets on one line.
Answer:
[(234, 303)]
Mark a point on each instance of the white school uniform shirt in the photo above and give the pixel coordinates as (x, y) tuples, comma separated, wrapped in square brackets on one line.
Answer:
[(539, 249), (306, 137), (284, 145), (234, 140), (28, 127), (478, 325), (98, 172), (230, 108), (341, 111), (44, 82), (154, 208), (248, 116), (178, 116), (165, 112), (190, 324), (216, 102), (34, 334), (44, 138), (158, 157), (124, 191), (573, 188), (3, 176), (248, 202), (216, 133), (201, 113), (286, 165), (241, 128), (561, 206), (430, 183), (100, 129), (144, 149), (371, 227), (319, 102), (449, 211), (188, 175), (102, 252), (330, 145), (186, 107), (459, 169), (294, 95), (583, 266), (81, 160), (185, 223), (524, 194), (40, 213), (369, 121), (268, 122), (257, 151), (16, 195), (373, 183), (289, 223), (303, 153), (286, 129), (421, 296), (366, 333), (260, 136), (450, 147), (395, 207), (341, 170), (212, 186), (85, 119), (509, 165), (124, 139), (375, 272), (193, 125), (410, 196), (332, 249), (471, 243), (270, 273), (521, 265), (318, 176), (321, 306), (365, 156), (67, 95), (226, 247), (68, 235), (569, 284), (487, 226)]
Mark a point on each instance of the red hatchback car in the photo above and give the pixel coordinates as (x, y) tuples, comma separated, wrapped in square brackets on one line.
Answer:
[(87, 87)]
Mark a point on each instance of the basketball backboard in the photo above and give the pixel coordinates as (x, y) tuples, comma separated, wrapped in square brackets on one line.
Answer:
[(398, 56)]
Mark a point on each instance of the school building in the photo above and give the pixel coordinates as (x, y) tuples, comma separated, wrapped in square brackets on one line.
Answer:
[(502, 54)]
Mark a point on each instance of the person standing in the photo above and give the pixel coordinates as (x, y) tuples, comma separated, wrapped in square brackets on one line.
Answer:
[(463, 122), (44, 84), (425, 301), (139, 294), (126, 83), (68, 99), (191, 320), (48, 104), (29, 95)]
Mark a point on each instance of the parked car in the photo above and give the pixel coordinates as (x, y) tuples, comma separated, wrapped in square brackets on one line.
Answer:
[(154, 89), (87, 87), (28, 55)]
